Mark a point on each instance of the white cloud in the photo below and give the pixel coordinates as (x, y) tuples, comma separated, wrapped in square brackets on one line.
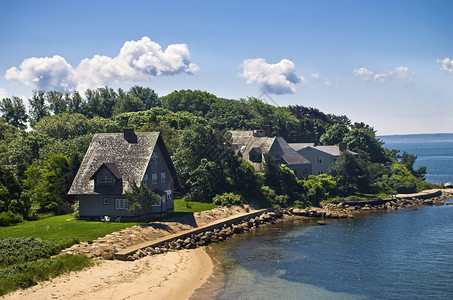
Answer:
[(446, 64), (279, 78), (363, 74), (327, 82), (137, 61), (44, 73), (398, 72), (2, 93), (316, 76)]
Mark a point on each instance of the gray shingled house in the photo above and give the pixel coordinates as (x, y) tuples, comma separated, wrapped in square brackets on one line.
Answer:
[(252, 145), (112, 162), (321, 157)]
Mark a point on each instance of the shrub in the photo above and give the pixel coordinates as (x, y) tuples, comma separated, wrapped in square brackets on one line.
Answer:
[(21, 250), (281, 200), (75, 209), (9, 218), (228, 199)]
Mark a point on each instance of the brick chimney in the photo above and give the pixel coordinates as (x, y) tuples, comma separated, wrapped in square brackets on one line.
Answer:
[(343, 146), (129, 135)]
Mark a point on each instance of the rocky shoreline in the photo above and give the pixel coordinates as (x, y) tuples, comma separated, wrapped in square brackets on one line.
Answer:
[(106, 247), (349, 208)]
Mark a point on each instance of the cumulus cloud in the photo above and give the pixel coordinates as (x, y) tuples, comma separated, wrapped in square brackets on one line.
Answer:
[(137, 61), (279, 78), (398, 72), (44, 73), (446, 64)]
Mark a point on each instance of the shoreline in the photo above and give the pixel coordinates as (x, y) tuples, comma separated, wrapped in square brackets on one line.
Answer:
[(184, 273), (172, 275)]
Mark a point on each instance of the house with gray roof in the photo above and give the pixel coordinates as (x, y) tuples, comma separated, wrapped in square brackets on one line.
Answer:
[(252, 145), (321, 157), (112, 162)]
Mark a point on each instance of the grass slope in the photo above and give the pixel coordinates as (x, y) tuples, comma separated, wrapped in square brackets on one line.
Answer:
[(63, 230)]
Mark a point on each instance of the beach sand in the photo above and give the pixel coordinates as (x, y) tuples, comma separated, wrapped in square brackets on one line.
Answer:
[(173, 275)]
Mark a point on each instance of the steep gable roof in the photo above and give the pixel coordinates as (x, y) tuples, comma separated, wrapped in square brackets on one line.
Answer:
[(246, 142), (123, 158), (112, 167), (290, 156)]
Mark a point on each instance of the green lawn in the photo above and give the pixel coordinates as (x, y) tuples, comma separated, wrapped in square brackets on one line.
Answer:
[(62, 229), (181, 206)]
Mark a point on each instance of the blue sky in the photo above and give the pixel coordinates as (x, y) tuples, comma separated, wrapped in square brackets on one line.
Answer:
[(386, 63)]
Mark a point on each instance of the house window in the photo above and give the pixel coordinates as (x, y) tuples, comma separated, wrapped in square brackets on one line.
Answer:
[(154, 157), (121, 204), (106, 179), (106, 201), (162, 177), (154, 179), (168, 194), (159, 202), (320, 172), (319, 160), (145, 179)]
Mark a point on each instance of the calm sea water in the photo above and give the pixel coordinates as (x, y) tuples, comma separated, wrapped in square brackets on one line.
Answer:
[(398, 255), (434, 151), (404, 254)]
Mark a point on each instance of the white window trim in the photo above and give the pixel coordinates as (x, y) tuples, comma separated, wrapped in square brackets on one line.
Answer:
[(163, 177), (154, 178), (169, 194), (154, 157), (106, 201), (121, 204)]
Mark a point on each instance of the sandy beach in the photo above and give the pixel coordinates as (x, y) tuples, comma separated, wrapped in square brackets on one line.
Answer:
[(173, 275)]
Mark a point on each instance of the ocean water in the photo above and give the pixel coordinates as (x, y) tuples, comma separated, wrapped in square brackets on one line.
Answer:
[(434, 151), (404, 254)]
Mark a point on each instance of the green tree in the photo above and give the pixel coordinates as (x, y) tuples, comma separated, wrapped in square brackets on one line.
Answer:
[(141, 198), (198, 142), (67, 126), (147, 96), (10, 191), (38, 107), (128, 103), (170, 135), (14, 112), (351, 174), (204, 182), (362, 137), (48, 184), (408, 160), (57, 103), (334, 134), (196, 102), (75, 103), (242, 178)]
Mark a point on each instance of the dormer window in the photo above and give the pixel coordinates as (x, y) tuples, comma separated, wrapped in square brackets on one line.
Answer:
[(154, 158), (105, 179)]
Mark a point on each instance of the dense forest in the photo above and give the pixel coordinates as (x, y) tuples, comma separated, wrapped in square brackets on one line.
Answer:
[(41, 150)]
